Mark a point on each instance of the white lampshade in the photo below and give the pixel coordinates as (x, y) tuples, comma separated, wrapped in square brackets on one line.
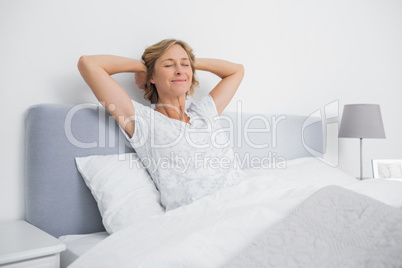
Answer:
[(362, 121)]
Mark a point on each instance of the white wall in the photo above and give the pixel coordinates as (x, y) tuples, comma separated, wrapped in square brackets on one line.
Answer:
[(299, 56)]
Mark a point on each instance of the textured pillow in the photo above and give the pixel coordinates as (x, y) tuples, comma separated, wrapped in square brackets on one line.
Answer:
[(122, 187)]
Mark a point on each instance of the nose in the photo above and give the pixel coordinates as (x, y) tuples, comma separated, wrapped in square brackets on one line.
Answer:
[(179, 70)]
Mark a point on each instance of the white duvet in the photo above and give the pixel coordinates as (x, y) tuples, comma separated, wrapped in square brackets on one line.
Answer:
[(214, 229)]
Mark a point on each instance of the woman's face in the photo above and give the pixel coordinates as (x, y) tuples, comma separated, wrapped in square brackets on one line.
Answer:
[(173, 74)]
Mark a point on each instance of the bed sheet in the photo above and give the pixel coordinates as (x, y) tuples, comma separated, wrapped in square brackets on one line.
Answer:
[(220, 224), (315, 172), (77, 245), (208, 232), (333, 228)]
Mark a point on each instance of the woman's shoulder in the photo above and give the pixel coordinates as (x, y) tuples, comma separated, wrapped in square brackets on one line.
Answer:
[(204, 106), (140, 108)]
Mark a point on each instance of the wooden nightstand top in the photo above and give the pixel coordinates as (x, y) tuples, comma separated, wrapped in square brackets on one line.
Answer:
[(20, 240)]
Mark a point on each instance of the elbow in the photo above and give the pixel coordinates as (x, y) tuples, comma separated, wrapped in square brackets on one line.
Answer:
[(241, 69), (82, 62)]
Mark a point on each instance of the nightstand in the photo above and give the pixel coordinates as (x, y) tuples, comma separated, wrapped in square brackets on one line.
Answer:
[(24, 245)]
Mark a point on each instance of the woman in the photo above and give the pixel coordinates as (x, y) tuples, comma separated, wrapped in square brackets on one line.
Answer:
[(183, 148)]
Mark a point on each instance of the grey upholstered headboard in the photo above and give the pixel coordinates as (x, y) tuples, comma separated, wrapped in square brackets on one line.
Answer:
[(57, 199)]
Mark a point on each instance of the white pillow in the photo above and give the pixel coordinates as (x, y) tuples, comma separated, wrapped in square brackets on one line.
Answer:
[(122, 187)]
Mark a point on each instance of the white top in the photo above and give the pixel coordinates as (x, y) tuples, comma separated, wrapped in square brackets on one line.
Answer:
[(20, 240), (186, 160)]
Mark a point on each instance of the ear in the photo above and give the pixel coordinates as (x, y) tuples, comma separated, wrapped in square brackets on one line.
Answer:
[(152, 81)]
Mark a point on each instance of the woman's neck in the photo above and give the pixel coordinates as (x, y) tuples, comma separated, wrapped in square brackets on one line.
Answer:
[(174, 111)]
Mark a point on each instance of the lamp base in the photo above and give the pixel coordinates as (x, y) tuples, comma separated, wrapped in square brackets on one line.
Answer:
[(362, 179)]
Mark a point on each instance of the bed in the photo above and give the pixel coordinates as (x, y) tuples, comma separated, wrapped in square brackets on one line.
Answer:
[(294, 211)]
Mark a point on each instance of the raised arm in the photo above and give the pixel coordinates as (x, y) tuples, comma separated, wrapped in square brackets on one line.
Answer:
[(231, 75), (97, 70)]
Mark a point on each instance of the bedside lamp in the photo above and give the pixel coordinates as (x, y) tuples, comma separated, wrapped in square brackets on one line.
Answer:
[(361, 121)]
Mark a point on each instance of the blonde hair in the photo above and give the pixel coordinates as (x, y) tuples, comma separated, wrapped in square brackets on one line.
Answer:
[(152, 54)]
